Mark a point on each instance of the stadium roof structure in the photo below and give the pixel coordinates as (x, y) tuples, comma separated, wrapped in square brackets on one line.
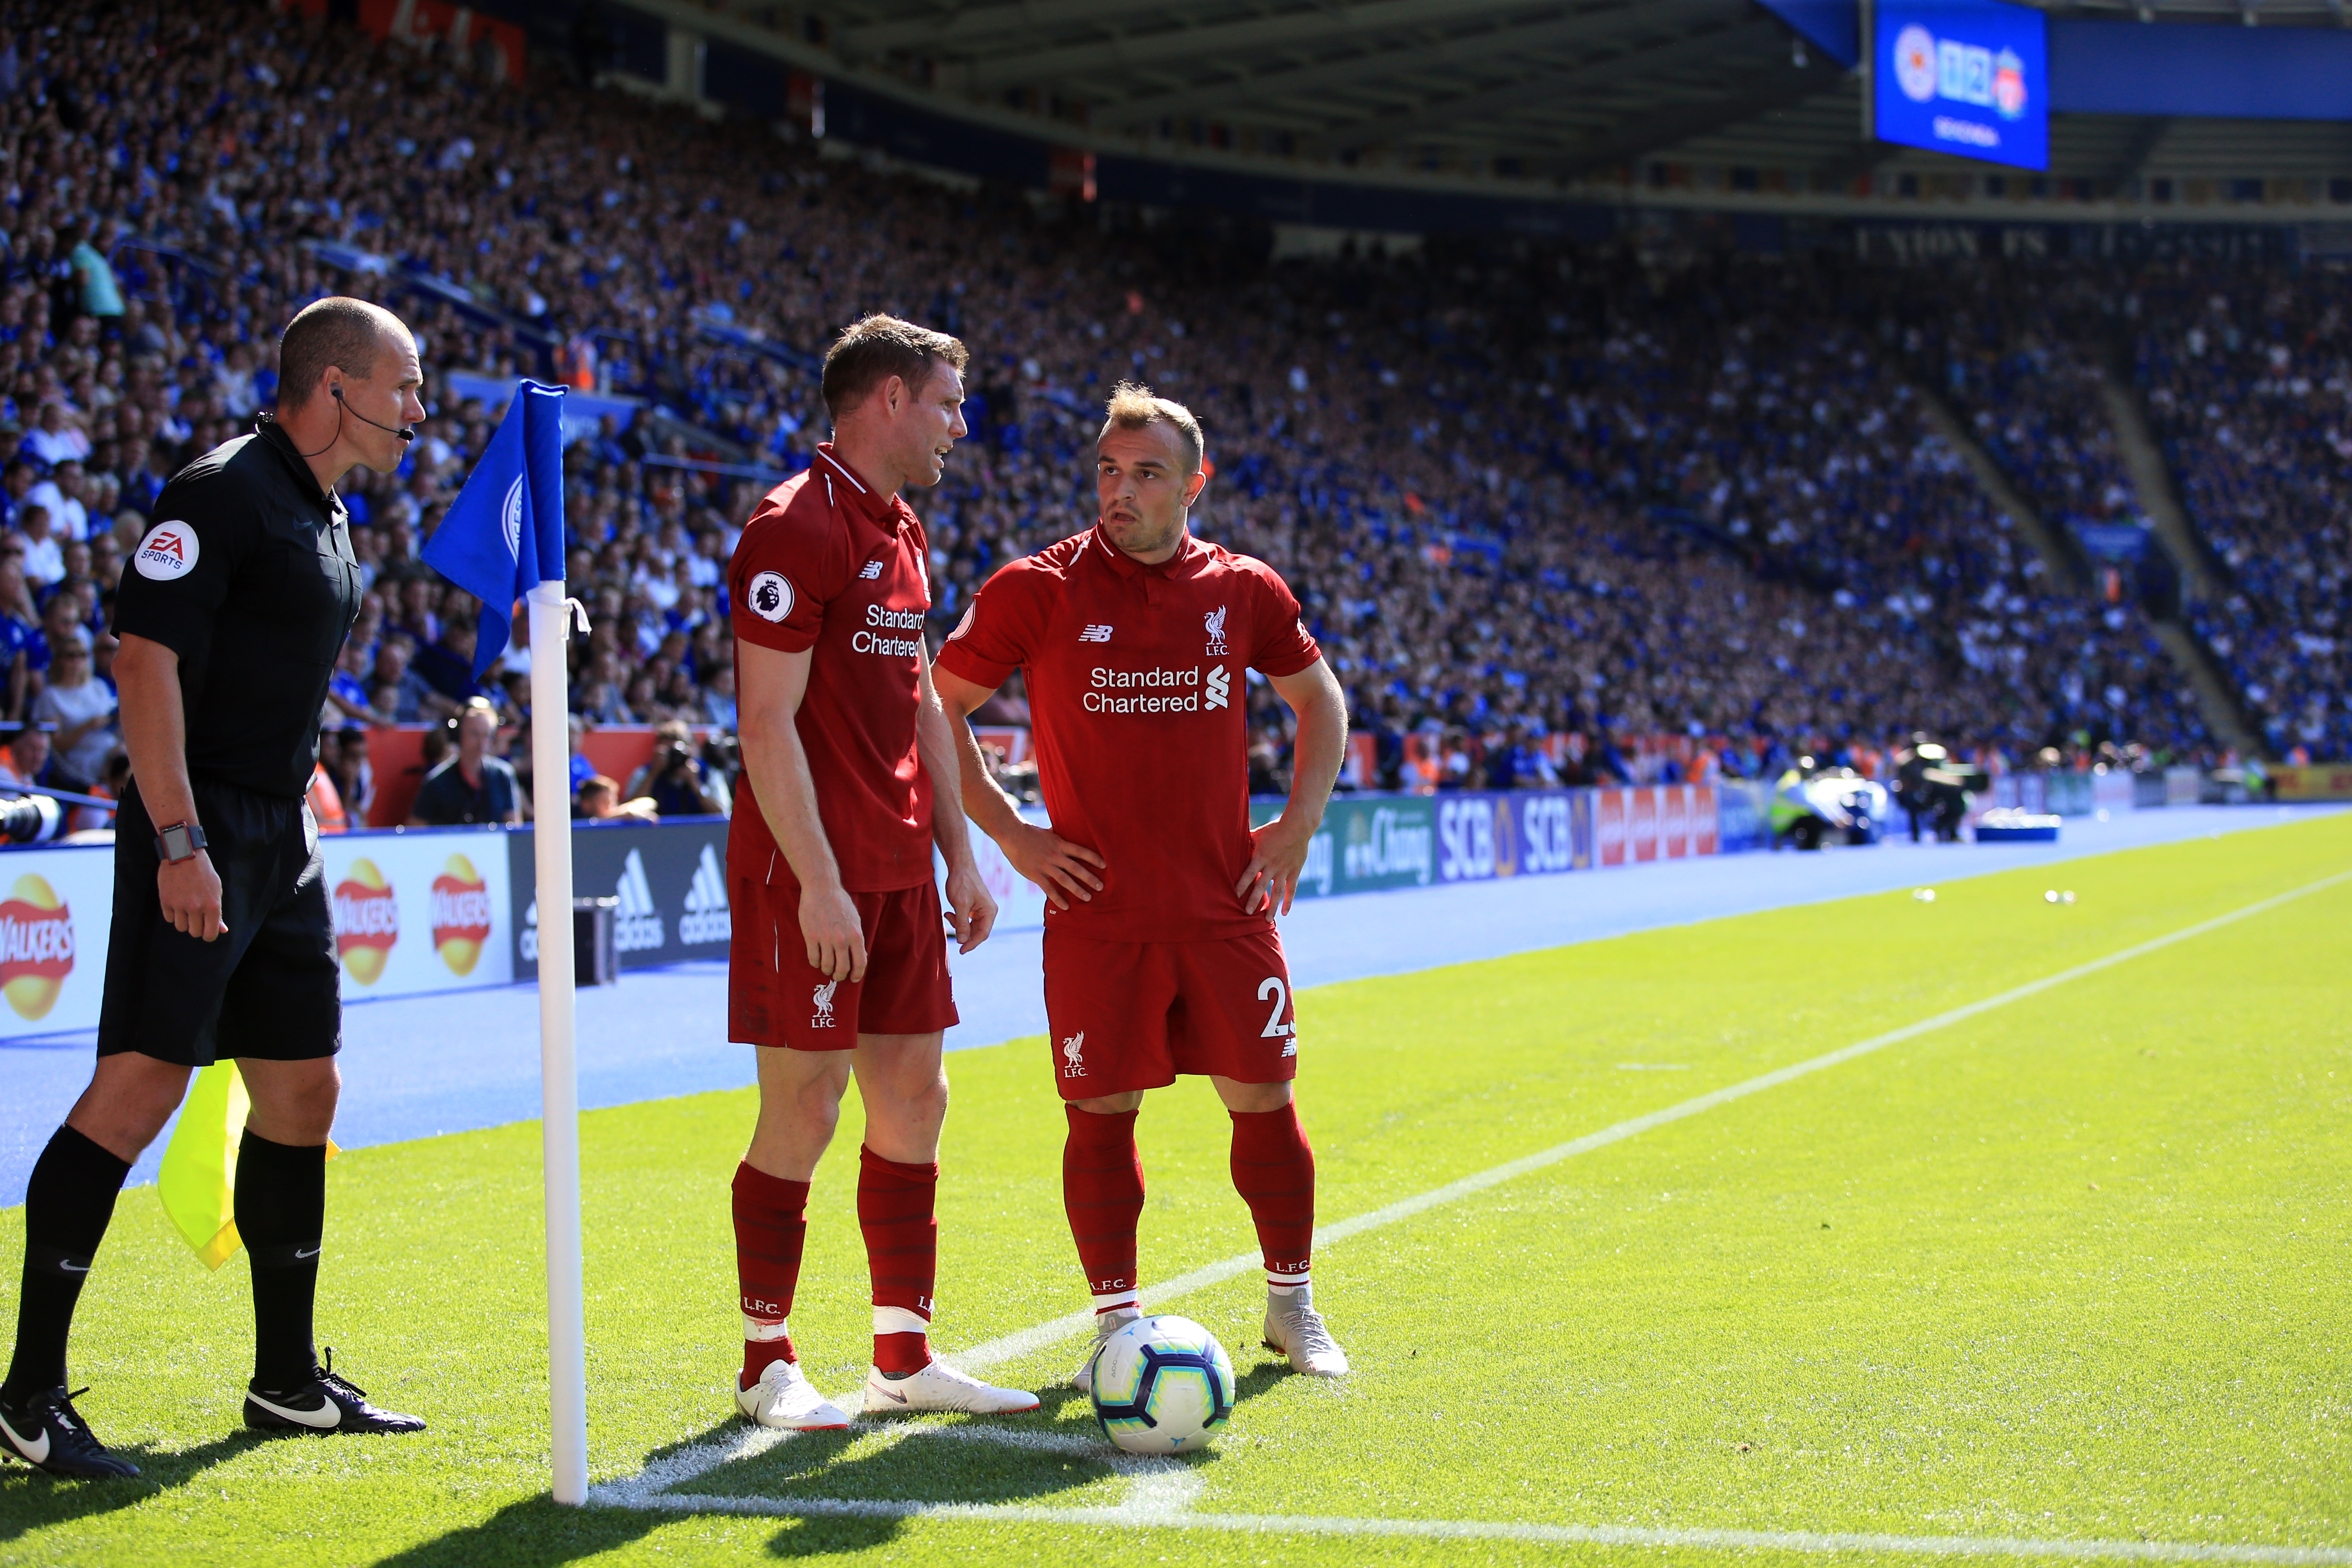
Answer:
[(1532, 94)]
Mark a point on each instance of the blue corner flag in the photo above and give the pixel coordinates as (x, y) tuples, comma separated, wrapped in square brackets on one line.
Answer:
[(504, 534)]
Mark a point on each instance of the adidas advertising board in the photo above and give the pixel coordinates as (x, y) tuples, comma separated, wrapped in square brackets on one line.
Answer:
[(668, 881)]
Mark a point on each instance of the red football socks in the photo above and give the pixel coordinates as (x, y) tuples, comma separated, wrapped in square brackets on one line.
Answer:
[(1102, 1191), (1274, 1171), (902, 1253), (771, 1227)]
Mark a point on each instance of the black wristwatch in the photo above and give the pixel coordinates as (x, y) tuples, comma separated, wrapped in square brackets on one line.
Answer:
[(179, 842)]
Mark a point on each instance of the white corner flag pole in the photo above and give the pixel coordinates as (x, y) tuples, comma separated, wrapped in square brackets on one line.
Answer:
[(559, 1077)]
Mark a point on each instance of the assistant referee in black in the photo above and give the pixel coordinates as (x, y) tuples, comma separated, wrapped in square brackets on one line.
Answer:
[(232, 613)]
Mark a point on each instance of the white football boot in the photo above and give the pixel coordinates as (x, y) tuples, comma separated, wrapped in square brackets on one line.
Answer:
[(784, 1397), (1106, 1324), (1295, 1328), (940, 1386)]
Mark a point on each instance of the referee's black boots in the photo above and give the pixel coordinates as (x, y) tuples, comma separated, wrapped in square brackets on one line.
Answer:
[(325, 1404), (44, 1429)]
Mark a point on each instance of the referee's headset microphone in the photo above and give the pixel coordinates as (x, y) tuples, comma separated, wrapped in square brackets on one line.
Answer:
[(405, 432)]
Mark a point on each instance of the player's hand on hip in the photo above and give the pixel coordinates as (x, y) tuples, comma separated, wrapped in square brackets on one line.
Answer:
[(1064, 869), (971, 913), (1277, 854), (837, 937), (190, 891)]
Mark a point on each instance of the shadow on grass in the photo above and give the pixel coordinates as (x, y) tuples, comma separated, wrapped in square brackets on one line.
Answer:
[(32, 1500), (539, 1533)]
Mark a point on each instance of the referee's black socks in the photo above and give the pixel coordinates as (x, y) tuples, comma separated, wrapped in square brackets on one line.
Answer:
[(281, 1213), (68, 1204)]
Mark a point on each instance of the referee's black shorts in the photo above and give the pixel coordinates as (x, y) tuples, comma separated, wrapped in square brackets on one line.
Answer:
[(269, 987)]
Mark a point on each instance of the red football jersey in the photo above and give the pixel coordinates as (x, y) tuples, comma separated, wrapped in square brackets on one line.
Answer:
[(1137, 695), (825, 564)]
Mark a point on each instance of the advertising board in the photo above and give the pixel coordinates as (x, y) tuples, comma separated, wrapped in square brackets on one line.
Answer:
[(427, 911), (1967, 77), (55, 906), (414, 912), (1641, 824), (2310, 781), (1741, 821), (670, 878)]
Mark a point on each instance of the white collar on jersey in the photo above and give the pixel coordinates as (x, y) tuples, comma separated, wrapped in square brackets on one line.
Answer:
[(843, 470)]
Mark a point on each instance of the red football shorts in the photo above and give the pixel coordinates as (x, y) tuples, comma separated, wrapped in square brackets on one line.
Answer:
[(774, 997), (1133, 1015)]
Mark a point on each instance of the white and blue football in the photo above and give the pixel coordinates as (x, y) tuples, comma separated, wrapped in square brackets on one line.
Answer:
[(1163, 1385)]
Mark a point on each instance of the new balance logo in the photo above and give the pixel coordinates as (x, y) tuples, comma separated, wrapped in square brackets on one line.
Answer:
[(822, 998), (638, 927), (1220, 686), (707, 917), (1071, 1066), (870, 571), (1095, 634)]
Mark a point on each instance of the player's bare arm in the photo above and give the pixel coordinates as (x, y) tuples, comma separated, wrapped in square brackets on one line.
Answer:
[(769, 685), (971, 913), (1064, 869), (1279, 849), (155, 732)]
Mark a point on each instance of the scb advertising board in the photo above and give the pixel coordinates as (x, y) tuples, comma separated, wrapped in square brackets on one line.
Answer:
[(1966, 76), (669, 880)]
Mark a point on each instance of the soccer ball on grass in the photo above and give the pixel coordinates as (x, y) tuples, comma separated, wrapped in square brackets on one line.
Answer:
[(1163, 1386)]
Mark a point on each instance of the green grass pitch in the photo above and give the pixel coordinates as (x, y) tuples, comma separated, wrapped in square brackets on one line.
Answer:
[(2074, 1269)]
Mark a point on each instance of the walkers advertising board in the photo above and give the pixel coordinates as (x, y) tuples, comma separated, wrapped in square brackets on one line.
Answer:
[(54, 905), (418, 911)]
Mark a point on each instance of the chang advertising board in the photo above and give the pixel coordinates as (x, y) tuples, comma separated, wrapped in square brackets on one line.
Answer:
[(1965, 76)]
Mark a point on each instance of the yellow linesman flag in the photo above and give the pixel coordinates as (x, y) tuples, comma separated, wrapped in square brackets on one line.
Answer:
[(199, 1181)]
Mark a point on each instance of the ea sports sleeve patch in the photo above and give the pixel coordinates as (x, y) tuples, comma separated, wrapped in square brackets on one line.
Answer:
[(180, 574)]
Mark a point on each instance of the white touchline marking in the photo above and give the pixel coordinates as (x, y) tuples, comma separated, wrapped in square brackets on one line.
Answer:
[(1162, 1490), (991, 1352), (1131, 1518)]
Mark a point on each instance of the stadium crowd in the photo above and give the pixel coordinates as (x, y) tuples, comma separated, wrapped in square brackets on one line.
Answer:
[(2248, 378), (1554, 511)]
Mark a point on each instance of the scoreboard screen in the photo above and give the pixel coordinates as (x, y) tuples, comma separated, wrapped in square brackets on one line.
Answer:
[(1966, 76)]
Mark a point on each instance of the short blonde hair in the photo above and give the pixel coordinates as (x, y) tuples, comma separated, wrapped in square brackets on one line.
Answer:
[(1132, 407)]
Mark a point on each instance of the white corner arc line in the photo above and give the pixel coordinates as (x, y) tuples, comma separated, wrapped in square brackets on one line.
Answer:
[(1007, 1347)]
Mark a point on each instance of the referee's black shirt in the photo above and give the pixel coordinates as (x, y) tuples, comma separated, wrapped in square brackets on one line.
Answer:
[(247, 575)]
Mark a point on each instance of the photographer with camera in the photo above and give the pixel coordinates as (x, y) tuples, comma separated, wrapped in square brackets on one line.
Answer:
[(675, 780)]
